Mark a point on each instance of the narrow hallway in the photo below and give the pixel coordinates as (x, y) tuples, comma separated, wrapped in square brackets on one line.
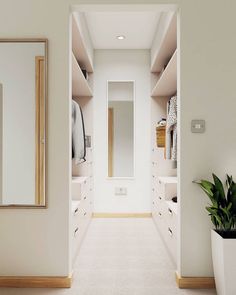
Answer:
[(120, 257)]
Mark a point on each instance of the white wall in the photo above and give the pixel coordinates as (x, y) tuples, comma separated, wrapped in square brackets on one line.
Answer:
[(35, 241), (123, 140), (17, 75), (120, 91), (207, 90), (122, 65)]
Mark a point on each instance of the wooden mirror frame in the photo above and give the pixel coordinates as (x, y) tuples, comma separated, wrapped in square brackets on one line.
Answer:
[(41, 95)]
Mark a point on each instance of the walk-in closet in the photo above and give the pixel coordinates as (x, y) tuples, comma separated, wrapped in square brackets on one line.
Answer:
[(125, 110)]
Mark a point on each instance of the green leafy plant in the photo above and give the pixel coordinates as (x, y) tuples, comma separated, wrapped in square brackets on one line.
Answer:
[(222, 209)]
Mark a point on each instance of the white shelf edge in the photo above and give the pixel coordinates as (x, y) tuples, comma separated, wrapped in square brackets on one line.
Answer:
[(79, 179), (167, 83), (80, 86)]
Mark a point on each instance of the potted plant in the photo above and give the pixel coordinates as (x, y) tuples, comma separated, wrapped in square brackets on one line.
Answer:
[(222, 211)]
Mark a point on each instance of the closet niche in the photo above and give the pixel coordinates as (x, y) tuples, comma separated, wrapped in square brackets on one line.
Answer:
[(23, 72)]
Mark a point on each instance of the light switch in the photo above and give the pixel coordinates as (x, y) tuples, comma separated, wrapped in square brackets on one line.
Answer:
[(198, 126)]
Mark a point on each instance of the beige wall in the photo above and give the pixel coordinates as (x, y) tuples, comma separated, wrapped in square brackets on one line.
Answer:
[(207, 68)]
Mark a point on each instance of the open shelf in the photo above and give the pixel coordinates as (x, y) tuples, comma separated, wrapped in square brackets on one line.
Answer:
[(167, 48), (80, 86), (79, 48), (167, 84), (79, 179)]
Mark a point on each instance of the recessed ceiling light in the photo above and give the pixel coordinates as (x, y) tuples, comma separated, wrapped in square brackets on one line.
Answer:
[(120, 37)]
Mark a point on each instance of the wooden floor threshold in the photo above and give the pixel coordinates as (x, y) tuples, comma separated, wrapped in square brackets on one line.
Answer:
[(195, 282), (35, 282)]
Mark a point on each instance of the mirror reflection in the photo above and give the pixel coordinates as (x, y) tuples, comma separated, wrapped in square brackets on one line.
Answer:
[(22, 124), (120, 129)]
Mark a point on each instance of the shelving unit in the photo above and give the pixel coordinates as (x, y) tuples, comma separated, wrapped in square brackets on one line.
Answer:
[(167, 83), (167, 47), (81, 180), (163, 176), (80, 86)]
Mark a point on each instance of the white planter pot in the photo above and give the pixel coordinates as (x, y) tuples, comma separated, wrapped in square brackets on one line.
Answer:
[(224, 264)]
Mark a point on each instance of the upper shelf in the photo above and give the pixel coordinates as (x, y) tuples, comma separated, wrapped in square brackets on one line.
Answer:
[(80, 86), (167, 48), (79, 47), (167, 84)]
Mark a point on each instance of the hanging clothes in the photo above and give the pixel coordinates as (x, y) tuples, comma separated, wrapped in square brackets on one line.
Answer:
[(78, 134), (171, 129)]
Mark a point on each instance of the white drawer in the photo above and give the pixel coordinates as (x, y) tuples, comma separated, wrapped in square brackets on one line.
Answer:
[(171, 242), (77, 236), (159, 220), (171, 218), (154, 169), (79, 187)]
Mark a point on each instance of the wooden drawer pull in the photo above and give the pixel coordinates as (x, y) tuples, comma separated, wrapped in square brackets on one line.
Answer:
[(170, 232), (76, 231), (170, 211)]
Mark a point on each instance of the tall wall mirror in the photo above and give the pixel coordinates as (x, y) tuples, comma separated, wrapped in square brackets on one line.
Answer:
[(120, 129), (23, 72)]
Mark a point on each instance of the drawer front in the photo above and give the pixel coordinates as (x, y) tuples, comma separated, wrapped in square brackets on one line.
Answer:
[(159, 220), (154, 169), (171, 242), (171, 219)]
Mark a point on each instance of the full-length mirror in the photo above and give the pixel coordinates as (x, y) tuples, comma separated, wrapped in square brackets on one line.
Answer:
[(120, 128), (22, 122)]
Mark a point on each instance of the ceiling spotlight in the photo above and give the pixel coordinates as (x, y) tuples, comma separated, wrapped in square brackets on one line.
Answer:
[(120, 37)]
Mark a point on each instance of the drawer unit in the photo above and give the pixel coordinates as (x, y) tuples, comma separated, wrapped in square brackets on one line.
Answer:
[(81, 216)]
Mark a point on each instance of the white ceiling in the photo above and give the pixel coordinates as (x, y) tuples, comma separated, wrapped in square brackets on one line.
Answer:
[(138, 27)]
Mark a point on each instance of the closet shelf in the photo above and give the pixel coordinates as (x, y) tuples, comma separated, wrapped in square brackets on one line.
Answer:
[(79, 179), (80, 86), (167, 83), (79, 47), (167, 47)]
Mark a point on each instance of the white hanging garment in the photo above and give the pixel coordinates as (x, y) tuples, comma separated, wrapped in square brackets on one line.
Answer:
[(171, 125), (78, 134)]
